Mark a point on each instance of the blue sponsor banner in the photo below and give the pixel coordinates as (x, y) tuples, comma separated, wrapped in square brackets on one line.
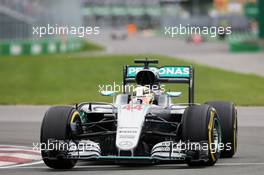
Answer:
[(163, 72)]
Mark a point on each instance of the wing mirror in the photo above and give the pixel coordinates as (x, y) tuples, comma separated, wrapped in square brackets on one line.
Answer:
[(174, 94), (108, 93)]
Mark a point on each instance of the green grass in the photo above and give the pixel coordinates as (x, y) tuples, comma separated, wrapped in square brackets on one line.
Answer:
[(89, 46), (61, 79)]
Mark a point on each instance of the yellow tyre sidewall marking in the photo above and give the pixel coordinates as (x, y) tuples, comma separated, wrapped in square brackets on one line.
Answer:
[(210, 127), (74, 115)]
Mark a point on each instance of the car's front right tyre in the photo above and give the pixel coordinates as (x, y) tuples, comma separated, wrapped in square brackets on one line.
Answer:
[(56, 126)]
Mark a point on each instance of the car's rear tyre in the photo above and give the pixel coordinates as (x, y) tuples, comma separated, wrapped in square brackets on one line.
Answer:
[(56, 125), (228, 119), (201, 123)]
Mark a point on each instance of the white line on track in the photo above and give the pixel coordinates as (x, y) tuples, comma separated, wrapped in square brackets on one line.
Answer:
[(2, 163), (15, 146), (18, 149), (23, 165), (29, 165), (240, 164), (23, 156)]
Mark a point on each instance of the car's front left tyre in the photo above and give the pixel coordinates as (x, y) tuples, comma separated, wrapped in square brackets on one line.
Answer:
[(200, 123), (228, 118)]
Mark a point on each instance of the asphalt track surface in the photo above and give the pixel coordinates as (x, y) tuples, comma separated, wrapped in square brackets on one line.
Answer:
[(213, 54), (20, 125)]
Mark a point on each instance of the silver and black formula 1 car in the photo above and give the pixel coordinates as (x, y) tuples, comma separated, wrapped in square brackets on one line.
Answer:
[(141, 125)]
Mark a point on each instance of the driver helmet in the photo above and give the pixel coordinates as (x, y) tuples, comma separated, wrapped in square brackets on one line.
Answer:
[(143, 95)]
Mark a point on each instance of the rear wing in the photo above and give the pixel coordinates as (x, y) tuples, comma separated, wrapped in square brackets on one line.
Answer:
[(166, 74)]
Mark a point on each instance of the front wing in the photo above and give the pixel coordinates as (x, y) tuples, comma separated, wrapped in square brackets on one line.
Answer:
[(164, 151)]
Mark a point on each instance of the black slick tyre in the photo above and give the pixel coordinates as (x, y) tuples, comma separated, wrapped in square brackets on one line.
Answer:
[(56, 125)]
